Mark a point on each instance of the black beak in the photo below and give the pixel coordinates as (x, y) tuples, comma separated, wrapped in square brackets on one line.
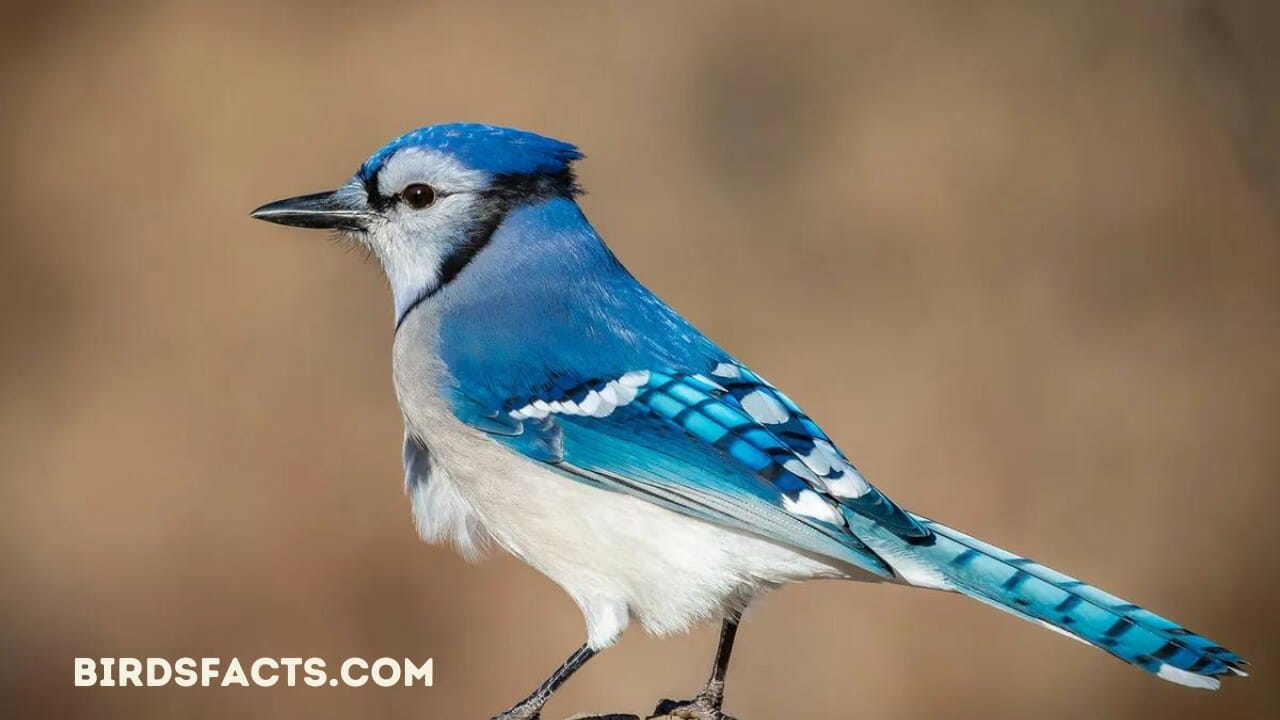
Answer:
[(326, 210)]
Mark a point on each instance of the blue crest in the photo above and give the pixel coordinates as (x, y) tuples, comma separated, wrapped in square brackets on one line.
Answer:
[(493, 149)]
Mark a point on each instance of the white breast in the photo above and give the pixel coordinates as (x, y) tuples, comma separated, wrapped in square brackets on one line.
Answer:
[(616, 555)]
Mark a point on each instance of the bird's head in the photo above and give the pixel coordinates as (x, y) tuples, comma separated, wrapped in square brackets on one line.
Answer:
[(427, 202)]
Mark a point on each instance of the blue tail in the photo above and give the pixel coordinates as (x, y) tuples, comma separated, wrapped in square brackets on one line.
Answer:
[(1034, 592)]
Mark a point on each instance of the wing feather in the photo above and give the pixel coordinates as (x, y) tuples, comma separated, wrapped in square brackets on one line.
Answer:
[(682, 441)]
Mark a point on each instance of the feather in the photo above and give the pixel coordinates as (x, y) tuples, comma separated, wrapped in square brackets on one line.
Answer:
[(1034, 592)]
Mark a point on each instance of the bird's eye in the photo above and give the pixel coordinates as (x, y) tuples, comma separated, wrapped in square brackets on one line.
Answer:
[(418, 195)]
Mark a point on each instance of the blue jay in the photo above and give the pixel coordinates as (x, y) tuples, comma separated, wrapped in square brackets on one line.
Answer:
[(557, 408)]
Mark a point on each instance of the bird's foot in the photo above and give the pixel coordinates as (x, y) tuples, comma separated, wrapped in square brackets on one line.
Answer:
[(523, 711), (705, 706)]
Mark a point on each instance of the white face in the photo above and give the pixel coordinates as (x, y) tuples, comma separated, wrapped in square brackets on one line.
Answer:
[(413, 242)]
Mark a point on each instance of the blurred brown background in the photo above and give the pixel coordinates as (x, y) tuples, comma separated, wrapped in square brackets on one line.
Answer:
[(1023, 261)]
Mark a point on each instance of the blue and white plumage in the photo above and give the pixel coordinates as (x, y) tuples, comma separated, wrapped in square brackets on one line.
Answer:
[(557, 408)]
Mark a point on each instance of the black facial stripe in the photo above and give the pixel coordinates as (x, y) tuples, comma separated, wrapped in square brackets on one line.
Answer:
[(377, 201), (506, 193)]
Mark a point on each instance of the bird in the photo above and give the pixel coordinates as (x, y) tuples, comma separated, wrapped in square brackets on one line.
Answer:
[(555, 407)]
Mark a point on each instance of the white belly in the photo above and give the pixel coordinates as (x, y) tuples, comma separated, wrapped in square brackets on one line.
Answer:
[(619, 557)]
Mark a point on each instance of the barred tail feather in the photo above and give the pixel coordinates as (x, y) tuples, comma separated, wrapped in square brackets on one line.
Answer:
[(1047, 597)]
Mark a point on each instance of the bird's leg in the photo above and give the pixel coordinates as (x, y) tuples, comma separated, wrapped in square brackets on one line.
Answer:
[(531, 707), (706, 705)]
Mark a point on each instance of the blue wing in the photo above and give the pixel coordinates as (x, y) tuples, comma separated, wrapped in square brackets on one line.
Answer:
[(721, 445)]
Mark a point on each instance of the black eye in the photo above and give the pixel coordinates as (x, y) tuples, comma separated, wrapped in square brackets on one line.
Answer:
[(418, 195)]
